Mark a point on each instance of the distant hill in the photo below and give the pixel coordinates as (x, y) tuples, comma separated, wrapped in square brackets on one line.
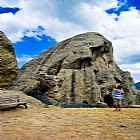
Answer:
[(137, 85)]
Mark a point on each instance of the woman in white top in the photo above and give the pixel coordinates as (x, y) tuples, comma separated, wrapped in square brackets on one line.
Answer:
[(117, 97)]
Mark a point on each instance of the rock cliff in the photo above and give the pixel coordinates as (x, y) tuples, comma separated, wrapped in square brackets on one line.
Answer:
[(75, 70), (8, 62)]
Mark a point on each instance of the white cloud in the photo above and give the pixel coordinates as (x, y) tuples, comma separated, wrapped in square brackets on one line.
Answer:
[(125, 34), (105, 4), (62, 19), (133, 68), (23, 59), (10, 3)]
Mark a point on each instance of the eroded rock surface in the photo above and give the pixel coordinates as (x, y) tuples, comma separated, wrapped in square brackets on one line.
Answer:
[(77, 69), (8, 62)]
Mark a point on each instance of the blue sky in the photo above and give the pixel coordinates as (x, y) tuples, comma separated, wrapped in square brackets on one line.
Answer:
[(35, 25)]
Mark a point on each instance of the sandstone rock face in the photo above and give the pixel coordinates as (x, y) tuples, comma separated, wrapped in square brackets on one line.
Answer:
[(8, 62), (75, 70)]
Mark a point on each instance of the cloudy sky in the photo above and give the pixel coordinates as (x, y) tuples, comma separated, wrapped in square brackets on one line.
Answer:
[(35, 25)]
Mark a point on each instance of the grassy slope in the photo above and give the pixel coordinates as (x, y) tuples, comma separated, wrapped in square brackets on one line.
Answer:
[(70, 124)]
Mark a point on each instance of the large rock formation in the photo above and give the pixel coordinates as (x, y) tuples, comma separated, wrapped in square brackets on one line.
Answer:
[(75, 70), (8, 62)]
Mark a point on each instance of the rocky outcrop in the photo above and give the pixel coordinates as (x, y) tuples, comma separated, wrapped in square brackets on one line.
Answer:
[(75, 70), (24, 98), (8, 62)]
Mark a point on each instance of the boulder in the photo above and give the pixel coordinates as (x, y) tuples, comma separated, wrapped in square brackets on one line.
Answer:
[(23, 97)]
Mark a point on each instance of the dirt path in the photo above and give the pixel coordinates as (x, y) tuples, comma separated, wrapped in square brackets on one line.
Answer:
[(70, 124)]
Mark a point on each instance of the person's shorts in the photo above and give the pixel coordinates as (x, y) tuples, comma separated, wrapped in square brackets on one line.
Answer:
[(117, 101)]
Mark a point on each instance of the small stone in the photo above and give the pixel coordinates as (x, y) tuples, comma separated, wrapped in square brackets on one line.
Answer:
[(122, 126)]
